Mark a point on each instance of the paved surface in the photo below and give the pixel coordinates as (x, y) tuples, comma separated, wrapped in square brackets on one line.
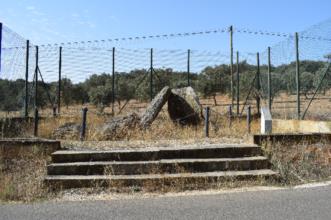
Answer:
[(313, 203)]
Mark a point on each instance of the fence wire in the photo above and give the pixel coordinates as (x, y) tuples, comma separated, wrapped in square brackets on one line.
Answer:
[(139, 72)]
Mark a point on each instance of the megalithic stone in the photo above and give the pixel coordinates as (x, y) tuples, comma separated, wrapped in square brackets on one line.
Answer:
[(155, 107), (118, 127), (184, 106)]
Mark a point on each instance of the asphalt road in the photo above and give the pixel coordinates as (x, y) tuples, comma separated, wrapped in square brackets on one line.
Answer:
[(312, 203)]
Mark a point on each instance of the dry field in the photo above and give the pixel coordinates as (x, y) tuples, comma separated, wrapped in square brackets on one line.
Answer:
[(163, 128), (284, 107), (21, 178)]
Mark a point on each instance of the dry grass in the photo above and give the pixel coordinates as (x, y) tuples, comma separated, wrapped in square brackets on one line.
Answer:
[(163, 187), (166, 185), (22, 177), (179, 184), (162, 128), (284, 106), (176, 186), (301, 163)]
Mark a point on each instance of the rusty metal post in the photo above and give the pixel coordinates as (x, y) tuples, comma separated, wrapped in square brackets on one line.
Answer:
[(269, 79), (151, 76), (26, 106), (238, 84), (36, 122), (297, 73), (230, 116), (83, 128), (258, 85), (36, 79), (113, 84), (249, 119), (207, 110), (231, 64), (188, 67), (59, 83)]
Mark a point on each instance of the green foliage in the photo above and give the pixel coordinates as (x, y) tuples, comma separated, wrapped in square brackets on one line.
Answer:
[(307, 82), (67, 88), (100, 95), (135, 84)]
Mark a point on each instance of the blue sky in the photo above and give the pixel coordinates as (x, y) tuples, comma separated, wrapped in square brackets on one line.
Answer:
[(45, 21)]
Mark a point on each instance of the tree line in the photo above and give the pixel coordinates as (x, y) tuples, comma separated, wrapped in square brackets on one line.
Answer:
[(97, 89)]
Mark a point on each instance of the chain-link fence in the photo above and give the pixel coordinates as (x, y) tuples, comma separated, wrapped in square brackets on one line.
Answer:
[(292, 76)]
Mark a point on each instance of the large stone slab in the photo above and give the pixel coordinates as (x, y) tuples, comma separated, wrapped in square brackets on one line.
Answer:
[(184, 106), (118, 127), (155, 107), (67, 131)]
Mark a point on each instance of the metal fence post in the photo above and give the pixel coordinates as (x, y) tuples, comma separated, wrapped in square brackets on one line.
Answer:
[(238, 84), (36, 79), (230, 116), (269, 79), (36, 121), (231, 64), (297, 73), (249, 119), (207, 121), (0, 44), (59, 83), (54, 111), (188, 67), (83, 128), (151, 76), (258, 85), (26, 107), (113, 84)]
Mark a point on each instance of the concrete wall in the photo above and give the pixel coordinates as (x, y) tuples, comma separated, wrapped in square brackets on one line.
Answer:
[(300, 126), (12, 148), (13, 127)]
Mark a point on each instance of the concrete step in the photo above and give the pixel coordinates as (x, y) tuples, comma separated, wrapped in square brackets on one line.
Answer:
[(154, 180), (158, 167), (210, 151)]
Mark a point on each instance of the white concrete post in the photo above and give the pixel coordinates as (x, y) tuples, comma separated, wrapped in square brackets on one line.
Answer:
[(266, 121)]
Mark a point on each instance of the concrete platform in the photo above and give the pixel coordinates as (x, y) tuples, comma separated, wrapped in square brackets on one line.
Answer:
[(301, 126), (14, 147), (158, 180), (158, 167), (144, 154), (292, 138)]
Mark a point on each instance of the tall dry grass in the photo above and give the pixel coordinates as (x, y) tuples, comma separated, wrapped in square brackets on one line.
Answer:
[(162, 128), (22, 177), (300, 163)]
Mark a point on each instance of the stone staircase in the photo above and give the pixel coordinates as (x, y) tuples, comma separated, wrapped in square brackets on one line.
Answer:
[(164, 166)]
